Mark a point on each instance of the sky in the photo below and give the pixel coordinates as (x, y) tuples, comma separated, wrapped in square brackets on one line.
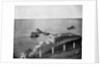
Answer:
[(48, 11)]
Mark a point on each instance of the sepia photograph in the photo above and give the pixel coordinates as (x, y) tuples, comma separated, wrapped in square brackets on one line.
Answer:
[(48, 32)]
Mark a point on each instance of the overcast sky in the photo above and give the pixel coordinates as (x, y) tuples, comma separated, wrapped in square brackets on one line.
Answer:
[(50, 11)]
